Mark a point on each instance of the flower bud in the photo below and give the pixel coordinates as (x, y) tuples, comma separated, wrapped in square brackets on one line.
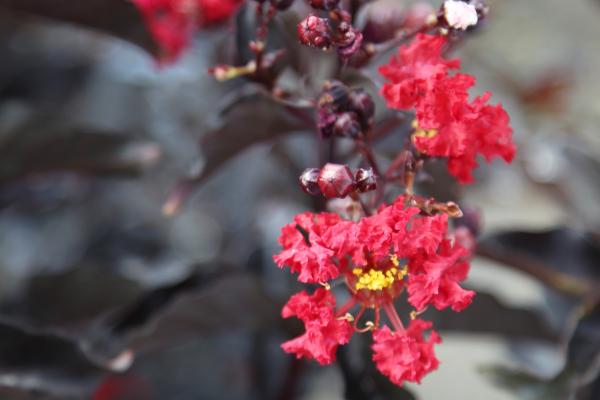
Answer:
[(346, 124), (315, 32), (348, 40), (362, 104), (333, 99), (309, 181), (324, 4), (335, 93), (336, 180), (365, 180)]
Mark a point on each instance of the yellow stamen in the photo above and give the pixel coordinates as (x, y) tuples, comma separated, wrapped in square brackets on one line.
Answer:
[(375, 279), (420, 132)]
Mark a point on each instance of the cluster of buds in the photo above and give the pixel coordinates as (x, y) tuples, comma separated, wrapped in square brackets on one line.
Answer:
[(336, 32), (337, 181), (342, 111)]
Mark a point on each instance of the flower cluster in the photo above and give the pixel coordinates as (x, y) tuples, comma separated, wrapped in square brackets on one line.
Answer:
[(447, 123), (172, 22), (378, 258)]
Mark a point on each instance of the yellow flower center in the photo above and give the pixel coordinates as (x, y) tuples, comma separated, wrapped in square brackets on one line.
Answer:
[(373, 279), (419, 132)]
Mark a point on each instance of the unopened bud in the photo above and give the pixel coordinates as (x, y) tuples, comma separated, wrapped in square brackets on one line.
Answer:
[(362, 104), (336, 180), (348, 40), (365, 180), (315, 32), (309, 181), (346, 124)]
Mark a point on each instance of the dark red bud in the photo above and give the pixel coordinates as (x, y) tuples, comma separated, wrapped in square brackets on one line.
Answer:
[(315, 32), (362, 104), (346, 124), (309, 181), (348, 40), (336, 180), (365, 180), (336, 93), (324, 4)]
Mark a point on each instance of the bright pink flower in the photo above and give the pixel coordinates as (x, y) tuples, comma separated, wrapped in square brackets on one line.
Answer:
[(436, 280), (378, 257), (448, 124), (324, 332), (405, 355), (173, 22)]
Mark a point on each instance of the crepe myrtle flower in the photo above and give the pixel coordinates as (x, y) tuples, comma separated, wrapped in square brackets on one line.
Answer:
[(378, 258), (447, 123)]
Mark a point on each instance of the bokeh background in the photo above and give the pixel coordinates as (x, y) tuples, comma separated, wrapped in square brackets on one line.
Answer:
[(100, 291)]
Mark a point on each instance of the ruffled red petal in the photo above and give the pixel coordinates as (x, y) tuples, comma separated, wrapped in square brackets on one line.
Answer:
[(438, 281), (406, 355), (324, 332)]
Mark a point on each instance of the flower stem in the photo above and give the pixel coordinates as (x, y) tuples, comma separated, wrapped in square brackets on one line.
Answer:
[(346, 307), (390, 310)]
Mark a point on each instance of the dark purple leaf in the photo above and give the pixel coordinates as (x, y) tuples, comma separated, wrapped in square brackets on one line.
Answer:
[(251, 119), (119, 18)]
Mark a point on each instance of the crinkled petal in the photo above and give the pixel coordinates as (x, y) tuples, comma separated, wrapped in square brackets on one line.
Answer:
[(406, 355), (437, 283), (324, 332)]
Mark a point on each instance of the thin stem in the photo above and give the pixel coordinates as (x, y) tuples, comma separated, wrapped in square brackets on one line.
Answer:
[(346, 307), (367, 152), (390, 311)]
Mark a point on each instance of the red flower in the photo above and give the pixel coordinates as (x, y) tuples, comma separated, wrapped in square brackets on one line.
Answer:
[(378, 257), (436, 281), (324, 332), (415, 71), (172, 22), (216, 11), (447, 123), (462, 129), (405, 355), (306, 250)]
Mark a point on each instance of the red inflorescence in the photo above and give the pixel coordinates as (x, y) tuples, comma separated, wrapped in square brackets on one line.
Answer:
[(378, 258), (448, 124), (172, 22), (406, 355), (324, 331)]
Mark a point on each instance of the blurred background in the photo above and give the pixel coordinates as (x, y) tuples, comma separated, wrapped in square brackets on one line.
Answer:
[(103, 296)]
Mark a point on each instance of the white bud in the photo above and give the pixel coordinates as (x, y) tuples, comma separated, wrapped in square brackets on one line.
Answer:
[(460, 15)]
